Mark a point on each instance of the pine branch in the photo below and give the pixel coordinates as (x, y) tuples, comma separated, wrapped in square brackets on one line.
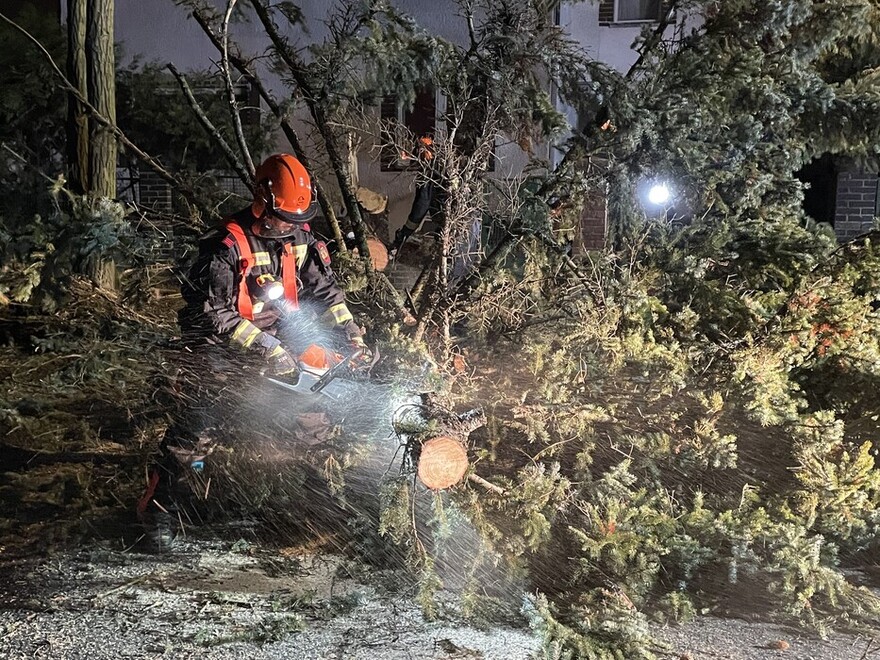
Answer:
[(589, 131), (654, 40)]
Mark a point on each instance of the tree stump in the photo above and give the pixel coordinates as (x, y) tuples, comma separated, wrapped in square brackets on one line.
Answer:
[(378, 253)]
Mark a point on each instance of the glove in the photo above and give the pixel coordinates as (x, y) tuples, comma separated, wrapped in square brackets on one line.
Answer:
[(281, 363), (399, 237), (357, 344)]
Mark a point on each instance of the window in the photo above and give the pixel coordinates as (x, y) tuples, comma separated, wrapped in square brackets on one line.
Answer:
[(819, 199), (401, 125), (630, 11)]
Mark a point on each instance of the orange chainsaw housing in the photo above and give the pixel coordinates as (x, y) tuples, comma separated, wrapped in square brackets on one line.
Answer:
[(318, 359)]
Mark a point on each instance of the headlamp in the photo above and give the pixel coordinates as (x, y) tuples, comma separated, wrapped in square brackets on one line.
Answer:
[(270, 288)]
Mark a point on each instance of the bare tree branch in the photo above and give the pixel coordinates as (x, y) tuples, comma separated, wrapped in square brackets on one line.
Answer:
[(230, 93), (205, 121), (200, 14)]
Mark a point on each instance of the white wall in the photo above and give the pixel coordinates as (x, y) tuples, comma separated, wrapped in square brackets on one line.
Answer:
[(610, 44)]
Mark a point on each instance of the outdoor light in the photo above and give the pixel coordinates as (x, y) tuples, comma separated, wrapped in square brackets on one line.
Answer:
[(658, 194)]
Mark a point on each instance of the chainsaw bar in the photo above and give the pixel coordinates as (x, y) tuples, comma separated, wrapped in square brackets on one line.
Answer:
[(336, 370), (336, 390)]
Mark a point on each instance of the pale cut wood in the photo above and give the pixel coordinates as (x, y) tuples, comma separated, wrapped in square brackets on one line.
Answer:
[(443, 462), (378, 253)]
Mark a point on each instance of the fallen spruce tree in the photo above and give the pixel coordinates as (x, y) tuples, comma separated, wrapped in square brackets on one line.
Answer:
[(630, 466), (677, 424), (649, 471)]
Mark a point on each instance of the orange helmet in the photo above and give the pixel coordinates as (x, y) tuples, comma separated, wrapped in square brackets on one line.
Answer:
[(283, 195), (426, 147)]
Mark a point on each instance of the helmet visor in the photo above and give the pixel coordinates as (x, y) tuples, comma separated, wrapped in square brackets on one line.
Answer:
[(291, 216), (271, 226), (282, 224)]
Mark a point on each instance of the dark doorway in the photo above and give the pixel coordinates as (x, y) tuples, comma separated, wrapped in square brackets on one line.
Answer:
[(820, 198)]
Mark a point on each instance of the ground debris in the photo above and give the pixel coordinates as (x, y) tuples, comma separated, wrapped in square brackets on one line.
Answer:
[(210, 602)]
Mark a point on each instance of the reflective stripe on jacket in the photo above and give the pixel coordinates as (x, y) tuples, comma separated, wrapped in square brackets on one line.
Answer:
[(212, 289)]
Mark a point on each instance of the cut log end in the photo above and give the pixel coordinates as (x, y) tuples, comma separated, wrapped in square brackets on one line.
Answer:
[(442, 462), (378, 253)]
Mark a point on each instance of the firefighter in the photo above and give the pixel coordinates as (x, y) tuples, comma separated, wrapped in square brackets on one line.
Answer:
[(429, 194), (429, 200), (261, 263), (254, 273)]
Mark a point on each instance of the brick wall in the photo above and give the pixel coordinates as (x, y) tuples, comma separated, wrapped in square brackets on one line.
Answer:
[(593, 226), (153, 192), (856, 203), (145, 190), (402, 276)]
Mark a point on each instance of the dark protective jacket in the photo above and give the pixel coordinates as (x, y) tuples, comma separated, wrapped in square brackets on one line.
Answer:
[(429, 198), (211, 291)]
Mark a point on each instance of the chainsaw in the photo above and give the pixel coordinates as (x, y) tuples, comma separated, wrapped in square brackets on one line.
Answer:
[(440, 461), (328, 373)]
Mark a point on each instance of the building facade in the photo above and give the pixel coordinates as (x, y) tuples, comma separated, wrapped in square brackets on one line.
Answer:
[(161, 31)]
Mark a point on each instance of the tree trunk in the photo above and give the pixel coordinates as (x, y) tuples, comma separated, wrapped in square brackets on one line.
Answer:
[(77, 119), (102, 94)]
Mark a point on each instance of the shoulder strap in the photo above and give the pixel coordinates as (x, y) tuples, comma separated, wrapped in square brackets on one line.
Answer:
[(288, 275), (246, 262)]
